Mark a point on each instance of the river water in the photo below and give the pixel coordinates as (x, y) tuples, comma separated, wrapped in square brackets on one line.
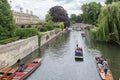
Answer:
[(58, 62)]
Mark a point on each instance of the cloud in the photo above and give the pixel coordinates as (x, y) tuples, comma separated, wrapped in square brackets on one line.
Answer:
[(64, 1), (41, 7)]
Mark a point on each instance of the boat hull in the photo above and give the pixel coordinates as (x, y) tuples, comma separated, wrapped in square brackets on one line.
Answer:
[(29, 69), (102, 73)]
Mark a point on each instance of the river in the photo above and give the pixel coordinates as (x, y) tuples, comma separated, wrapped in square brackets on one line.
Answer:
[(58, 62)]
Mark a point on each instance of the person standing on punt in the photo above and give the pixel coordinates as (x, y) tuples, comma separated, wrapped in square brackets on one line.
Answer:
[(77, 46), (105, 66)]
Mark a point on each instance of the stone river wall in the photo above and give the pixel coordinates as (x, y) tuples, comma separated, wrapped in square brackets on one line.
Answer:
[(11, 52)]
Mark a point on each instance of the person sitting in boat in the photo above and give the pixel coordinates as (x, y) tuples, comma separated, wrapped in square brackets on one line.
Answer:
[(22, 67), (76, 51), (101, 60), (105, 66), (98, 60)]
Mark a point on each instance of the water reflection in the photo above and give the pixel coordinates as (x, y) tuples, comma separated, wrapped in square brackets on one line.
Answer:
[(59, 62), (109, 50)]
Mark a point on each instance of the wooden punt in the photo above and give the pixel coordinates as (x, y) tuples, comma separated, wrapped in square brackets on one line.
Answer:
[(10, 73), (102, 73), (79, 54), (4, 71), (29, 68)]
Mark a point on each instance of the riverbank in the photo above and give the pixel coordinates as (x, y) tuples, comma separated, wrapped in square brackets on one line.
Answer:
[(11, 52), (50, 35)]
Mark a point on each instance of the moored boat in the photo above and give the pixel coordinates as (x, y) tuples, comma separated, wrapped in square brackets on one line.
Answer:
[(28, 69), (79, 53), (4, 71), (83, 34), (101, 72), (9, 73)]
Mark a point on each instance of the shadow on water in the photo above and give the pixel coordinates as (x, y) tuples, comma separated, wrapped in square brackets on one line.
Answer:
[(79, 59), (30, 57)]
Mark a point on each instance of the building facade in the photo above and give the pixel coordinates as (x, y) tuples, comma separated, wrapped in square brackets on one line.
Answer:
[(25, 18)]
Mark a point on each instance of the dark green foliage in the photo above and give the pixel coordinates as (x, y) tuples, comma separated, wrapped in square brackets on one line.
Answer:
[(8, 40), (7, 25), (26, 32), (29, 26), (22, 26), (91, 12), (59, 14), (110, 1), (108, 24), (43, 29), (75, 19)]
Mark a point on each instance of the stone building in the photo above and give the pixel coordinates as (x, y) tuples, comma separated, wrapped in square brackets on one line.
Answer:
[(25, 18)]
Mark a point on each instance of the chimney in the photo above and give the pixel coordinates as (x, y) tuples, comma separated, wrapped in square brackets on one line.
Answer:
[(31, 12), (27, 11), (21, 10)]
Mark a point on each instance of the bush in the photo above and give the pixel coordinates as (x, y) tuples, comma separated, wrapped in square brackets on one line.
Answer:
[(29, 26), (8, 40), (26, 32), (43, 29), (22, 26)]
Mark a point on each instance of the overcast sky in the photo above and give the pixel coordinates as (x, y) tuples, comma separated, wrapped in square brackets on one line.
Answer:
[(41, 7)]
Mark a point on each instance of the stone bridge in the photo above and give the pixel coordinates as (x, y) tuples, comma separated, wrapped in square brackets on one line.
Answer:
[(79, 26)]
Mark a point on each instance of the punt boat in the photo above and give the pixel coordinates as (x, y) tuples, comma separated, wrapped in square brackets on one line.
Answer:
[(4, 71), (28, 69), (9, 73), (102, 73), (79, 53)]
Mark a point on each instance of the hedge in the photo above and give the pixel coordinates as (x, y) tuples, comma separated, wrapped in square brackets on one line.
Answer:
[(8, 40), (26, 32)]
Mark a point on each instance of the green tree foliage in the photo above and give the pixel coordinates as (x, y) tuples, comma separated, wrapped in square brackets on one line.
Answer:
[(7, 24), (49, 25), (48, 18), (108, 24), (61, 25), (91, 12), (110, 1), (59, 14), (75, 19)]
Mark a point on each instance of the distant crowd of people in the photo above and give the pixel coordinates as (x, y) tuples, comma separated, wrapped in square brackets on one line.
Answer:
[(103, 64)]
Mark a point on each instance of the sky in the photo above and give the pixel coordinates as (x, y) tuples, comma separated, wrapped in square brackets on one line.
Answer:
[(41, 7)]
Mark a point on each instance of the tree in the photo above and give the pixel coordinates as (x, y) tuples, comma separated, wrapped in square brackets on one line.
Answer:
[(75, 19), (108, 24), (91, 12), (79, 19), (7, 23), (61, 25), (48, 17), (59, 14), (110, 1)]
